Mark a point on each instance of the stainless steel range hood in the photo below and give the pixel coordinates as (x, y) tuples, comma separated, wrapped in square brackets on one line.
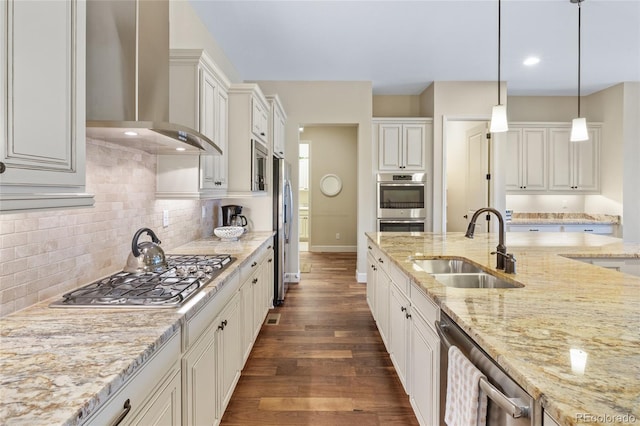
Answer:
[(128, 78)]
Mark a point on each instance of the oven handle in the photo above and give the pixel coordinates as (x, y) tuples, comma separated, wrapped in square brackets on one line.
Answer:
[(418, 220), (407, 184), (510, 405)]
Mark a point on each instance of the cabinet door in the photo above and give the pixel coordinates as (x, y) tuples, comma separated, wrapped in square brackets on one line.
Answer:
[(560, 160), (413, 146), (425, 369), (200, 378), (42, 73), (390, 146), (228, 351), (246, 297), (534, 159), (304, 226), (513, 177), (278, 133), (164, 408), (371, 282), (220, 162), (586, 163), (207, 105), (259, 119), (399, 333), (382, 304)]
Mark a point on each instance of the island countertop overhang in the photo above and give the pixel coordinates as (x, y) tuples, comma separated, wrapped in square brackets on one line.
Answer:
[(564, 305)]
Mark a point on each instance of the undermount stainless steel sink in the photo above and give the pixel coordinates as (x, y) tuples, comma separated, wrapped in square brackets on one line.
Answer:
[(447, 266), (479, 280)]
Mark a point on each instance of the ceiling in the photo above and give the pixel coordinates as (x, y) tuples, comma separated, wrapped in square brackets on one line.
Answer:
[(403, 46)]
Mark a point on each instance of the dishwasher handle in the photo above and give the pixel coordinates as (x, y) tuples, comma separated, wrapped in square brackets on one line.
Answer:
[(515, 407)]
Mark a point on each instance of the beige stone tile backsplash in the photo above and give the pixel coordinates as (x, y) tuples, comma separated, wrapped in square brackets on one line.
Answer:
[(44, 254)]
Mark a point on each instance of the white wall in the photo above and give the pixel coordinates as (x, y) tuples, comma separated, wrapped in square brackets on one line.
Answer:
[(631, 162), (459, 100)]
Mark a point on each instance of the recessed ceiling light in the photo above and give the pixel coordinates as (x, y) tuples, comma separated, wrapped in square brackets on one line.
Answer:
[(180, 149), (131, 133), (531, 60)]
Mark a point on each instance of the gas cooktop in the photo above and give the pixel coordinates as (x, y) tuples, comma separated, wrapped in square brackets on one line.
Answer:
[(167, 289)]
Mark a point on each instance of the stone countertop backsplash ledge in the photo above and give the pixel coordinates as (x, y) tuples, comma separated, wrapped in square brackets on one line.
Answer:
[(564, 218)]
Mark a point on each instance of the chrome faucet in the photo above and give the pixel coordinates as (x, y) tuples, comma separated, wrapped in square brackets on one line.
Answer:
[(504, 260)]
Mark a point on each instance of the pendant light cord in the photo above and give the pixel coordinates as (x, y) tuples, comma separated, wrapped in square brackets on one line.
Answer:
[(499, 40), (579, 50)]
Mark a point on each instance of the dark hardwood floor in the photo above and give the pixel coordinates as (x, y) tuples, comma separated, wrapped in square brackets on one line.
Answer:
[(324, 363)]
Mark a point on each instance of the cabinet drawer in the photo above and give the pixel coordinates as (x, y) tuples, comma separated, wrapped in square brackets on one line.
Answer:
[(424, 305), (142, 385), (401, 280), (201, 320), (380, 258), (251, 265), (534, 228), (592, 229)]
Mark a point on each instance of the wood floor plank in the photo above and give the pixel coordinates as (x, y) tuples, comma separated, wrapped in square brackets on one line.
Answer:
[(324, 363)]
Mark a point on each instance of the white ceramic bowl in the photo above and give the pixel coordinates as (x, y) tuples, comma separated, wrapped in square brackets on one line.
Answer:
[(229, 233)]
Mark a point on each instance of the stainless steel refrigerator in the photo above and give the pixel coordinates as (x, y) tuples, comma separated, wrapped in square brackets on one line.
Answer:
[(282, 219)]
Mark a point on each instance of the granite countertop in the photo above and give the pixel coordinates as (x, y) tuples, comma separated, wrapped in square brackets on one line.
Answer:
[(564, 304), (563, 219), (58, 365)]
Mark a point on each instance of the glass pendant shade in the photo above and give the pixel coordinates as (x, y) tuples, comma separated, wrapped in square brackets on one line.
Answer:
[(499, 119), (579, 130)]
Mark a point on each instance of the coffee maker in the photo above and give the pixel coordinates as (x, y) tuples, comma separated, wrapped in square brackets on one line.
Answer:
[(232, 216)]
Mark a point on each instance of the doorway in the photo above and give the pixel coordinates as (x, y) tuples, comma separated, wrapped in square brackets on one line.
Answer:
[(468, 168), (303, 195), (329, 155)]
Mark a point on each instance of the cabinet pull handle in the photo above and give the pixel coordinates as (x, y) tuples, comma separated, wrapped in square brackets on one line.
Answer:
[(380, 260), (255, 280), (407, 315), (403, 309), (254, 264), (2, 167), (125, 411)]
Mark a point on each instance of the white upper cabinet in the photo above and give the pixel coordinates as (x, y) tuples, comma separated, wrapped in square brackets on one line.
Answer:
[(574, 166), (278, 122), (199, 100), (42, 151), (249, 157), (526, 164), (260, 119), (401, 144)]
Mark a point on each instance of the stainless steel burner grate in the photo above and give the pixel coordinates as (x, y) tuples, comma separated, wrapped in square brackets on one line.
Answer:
[(184, 276)]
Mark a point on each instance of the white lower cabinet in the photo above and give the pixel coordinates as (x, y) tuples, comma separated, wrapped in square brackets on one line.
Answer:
[(229, 351), (424, 365), (200, 378), (400, 327), (411, 339), (152, 396)]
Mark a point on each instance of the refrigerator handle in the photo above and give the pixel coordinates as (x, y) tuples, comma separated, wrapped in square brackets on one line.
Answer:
[(288, 216)]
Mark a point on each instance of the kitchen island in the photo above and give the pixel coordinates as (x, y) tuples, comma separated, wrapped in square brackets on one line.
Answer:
[(529, 331), (59, 366)]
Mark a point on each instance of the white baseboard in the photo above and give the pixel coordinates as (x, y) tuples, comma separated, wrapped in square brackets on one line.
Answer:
[(334, 249), (361, 277)]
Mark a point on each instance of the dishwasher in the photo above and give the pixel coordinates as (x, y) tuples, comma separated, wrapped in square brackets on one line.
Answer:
[(508, 404)]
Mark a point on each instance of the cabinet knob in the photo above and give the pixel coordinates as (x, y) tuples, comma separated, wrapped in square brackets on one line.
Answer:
[(2, 167)]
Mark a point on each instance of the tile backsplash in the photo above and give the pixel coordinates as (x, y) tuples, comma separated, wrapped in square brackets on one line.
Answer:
[(44, 254)]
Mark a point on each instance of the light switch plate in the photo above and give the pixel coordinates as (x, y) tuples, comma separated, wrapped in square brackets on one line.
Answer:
[(165, 218)]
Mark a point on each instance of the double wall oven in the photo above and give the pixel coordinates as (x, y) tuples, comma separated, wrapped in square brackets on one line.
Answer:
[(401, 202)]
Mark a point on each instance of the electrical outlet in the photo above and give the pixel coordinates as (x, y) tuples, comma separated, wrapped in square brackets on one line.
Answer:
[(204, 212), (337, 235), (165, 218)]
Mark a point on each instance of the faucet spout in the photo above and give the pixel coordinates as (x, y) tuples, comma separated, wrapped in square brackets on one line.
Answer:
[(501, 247)]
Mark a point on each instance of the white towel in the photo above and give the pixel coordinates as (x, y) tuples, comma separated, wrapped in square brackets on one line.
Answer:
[(466, 404)]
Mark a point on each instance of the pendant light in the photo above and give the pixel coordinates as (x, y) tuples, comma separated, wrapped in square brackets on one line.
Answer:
[(499, 112), (579, 125)]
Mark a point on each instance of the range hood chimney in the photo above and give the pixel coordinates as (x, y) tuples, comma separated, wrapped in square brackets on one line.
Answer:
[(128, 78)]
